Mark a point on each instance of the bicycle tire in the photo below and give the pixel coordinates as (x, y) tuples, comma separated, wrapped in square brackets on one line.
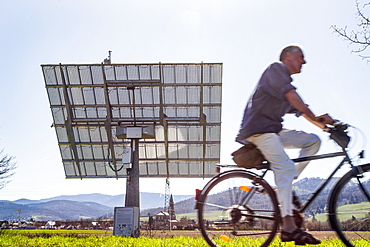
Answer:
[(237, 205), (349, 207)]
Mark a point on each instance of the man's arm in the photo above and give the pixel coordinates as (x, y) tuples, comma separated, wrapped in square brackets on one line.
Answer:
[(293, 98)]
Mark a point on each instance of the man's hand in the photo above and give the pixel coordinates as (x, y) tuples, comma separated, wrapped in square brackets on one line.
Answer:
[(321, 121), (325, 119)]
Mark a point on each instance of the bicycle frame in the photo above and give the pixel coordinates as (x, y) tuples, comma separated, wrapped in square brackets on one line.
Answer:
[(309, 200), (313, 196), (255, 183)]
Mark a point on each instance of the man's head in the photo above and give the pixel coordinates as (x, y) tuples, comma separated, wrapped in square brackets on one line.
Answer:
[(292, 56)]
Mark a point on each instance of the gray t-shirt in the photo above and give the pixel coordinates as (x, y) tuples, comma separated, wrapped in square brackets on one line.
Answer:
[(267, 105)]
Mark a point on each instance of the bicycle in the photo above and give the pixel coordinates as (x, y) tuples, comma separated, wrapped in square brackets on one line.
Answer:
[(240, 203)]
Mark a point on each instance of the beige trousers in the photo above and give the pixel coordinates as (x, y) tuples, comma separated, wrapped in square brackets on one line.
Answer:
[(272, 147)]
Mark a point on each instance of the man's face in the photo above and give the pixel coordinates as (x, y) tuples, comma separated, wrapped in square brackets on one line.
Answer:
[(295, 61)]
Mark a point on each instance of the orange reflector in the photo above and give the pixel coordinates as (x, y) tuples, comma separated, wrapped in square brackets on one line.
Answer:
[(225, 238), (197, 193), (245, 188)]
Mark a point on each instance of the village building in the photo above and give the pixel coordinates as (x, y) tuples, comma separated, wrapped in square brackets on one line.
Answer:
[(164, 219)]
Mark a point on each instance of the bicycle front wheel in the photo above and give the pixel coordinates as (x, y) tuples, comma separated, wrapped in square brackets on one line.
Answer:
[(240, 208), (349, 207)]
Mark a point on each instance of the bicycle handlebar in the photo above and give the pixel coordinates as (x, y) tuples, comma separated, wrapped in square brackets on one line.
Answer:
[(338, 133)]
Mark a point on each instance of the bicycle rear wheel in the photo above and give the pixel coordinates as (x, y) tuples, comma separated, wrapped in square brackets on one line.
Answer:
[(237, 206), (349, 207)]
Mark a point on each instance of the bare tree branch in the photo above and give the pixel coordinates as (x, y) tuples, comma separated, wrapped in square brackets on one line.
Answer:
[(364, 21), (359, 38), (7, 167)]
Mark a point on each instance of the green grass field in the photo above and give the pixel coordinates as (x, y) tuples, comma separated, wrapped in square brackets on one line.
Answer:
[(60, 238), (113, 241), (56, 232), (346, 212), (361, 210)]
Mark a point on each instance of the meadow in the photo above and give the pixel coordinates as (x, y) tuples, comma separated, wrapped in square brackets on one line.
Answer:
[(361, 209), (101, 239)]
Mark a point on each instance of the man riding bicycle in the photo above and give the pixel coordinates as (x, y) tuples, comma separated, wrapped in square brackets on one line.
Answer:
[(274, 97)]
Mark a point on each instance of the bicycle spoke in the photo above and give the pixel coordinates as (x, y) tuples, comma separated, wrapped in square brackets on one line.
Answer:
[(234, 207), (259, 216), (349, 207), (214, 205)]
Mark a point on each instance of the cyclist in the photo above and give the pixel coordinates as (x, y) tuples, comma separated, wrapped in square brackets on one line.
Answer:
[(274, 97)]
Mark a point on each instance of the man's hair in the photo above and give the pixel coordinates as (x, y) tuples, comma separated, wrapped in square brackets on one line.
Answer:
[(291, 49)]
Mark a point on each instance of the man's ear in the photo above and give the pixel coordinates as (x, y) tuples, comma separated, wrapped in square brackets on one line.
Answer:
[(288, 56)]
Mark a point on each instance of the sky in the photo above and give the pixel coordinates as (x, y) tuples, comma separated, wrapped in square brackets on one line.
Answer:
[(246, 36)]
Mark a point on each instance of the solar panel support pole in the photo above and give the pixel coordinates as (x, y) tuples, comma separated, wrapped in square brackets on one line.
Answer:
[(132, 184), (134, 133)]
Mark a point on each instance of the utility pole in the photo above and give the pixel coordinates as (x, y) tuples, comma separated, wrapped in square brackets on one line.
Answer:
[(19, 217)]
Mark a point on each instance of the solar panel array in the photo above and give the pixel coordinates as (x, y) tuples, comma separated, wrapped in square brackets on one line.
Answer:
[(182, 102)]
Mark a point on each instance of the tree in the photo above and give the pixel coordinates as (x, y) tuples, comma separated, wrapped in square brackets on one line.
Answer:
[(151, 222), (360, 37), (7, 167)]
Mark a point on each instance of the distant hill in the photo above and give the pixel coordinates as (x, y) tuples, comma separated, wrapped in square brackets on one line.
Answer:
[(309, 185), (181, 207), (147, 200), (76, 206), (107, 200), (52, 210), (96, 205), (303, 188)]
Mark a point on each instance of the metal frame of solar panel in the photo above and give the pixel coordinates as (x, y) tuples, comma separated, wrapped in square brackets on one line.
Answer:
[(180, 102)]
